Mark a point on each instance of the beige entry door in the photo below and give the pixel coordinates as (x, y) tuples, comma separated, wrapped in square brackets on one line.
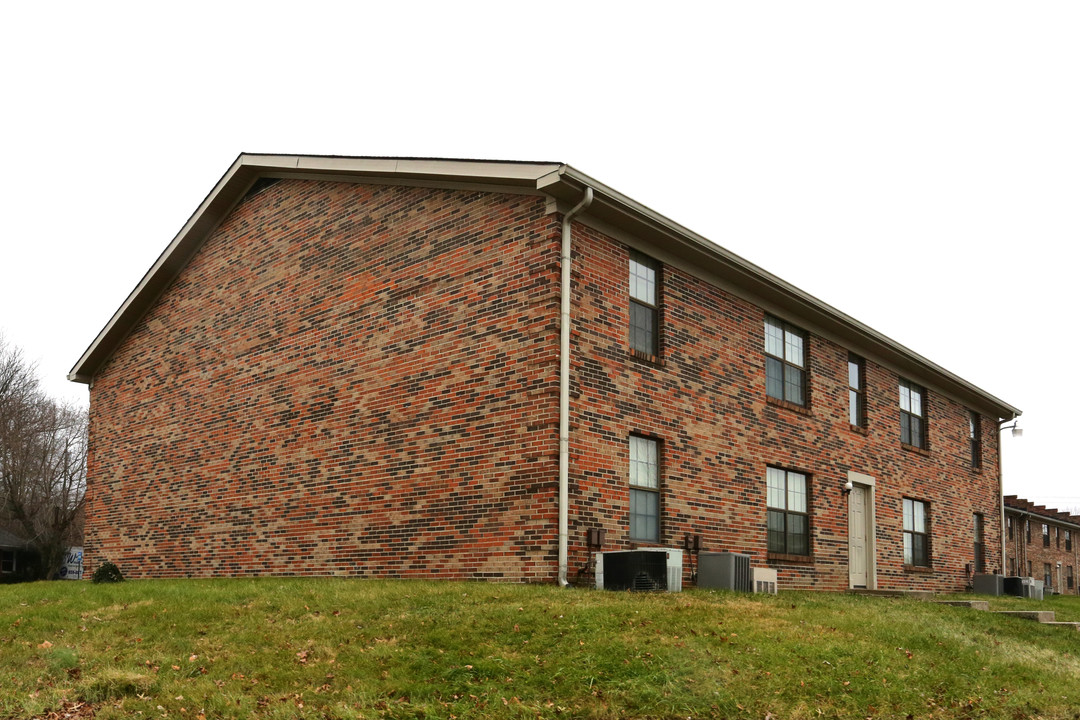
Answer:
[(858, 537)]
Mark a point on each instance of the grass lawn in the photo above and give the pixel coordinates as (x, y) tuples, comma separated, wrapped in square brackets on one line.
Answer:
[(333, 648)]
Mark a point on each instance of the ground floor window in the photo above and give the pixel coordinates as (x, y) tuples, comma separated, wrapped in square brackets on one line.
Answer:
[(916, 533), (644, 489), (1048, 575), (7, 561), (1012, 567), (1069, 577), (787, 507), (980, 546)]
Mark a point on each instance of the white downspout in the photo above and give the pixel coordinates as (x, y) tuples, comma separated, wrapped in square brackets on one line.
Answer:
[(564, 389)]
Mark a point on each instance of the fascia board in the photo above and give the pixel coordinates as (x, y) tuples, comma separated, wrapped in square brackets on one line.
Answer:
[(500, 173), (616, 209), (217, 204)]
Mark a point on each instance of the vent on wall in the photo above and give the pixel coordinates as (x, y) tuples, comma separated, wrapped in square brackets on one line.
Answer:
[(646, 569), (764, 580), (724, 571)]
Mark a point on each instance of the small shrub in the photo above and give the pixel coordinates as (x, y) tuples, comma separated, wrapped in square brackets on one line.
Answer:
[(107, 572)]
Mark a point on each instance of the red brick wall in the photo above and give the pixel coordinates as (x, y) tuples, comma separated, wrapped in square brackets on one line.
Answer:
[(352, 379), (346, 379), (707, 405), (1019, 548)]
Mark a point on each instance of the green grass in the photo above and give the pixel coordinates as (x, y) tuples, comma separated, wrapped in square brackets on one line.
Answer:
[(333, 648)]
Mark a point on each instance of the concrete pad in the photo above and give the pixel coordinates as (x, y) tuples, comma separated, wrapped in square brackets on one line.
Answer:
[(973, 604), (1042, 616)]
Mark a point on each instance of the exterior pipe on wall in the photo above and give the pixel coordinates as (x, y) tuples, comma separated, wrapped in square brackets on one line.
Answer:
[(1001, 490), (564, 389)]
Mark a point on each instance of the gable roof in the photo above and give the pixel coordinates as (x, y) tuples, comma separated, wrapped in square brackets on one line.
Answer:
[(611, 212)]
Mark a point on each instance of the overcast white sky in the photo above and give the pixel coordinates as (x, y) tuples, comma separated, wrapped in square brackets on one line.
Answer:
[(914, 164)]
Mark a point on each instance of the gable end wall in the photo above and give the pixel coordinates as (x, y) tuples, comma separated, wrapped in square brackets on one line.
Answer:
[(345, 380)]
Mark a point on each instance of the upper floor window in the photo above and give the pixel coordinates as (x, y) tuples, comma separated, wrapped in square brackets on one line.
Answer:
[(1008, 524), (912, 415), (1057, 537), (916, 533), (1068, 540), (975, 436), (1046, 535), (856, 372), (644, 489), (1027, 531), (788, 518), (785, 361), (644, 305)]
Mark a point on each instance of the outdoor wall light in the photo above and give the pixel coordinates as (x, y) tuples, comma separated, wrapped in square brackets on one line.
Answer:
[(848, 487), (1016, 431)]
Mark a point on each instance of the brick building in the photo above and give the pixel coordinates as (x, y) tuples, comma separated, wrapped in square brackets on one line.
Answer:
[(355, 366), (1040, 542)]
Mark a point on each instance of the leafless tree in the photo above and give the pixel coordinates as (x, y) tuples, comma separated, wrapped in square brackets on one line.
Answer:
[(42, 461)]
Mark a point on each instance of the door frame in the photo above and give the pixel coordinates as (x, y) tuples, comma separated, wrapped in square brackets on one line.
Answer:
[(868, 484)]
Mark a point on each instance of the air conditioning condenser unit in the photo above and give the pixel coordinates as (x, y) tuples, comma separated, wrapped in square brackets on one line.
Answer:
[(642, 569), (724, 571)]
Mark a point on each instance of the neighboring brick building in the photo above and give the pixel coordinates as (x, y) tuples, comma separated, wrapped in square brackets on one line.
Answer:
[(1041, 542), (352, 366)]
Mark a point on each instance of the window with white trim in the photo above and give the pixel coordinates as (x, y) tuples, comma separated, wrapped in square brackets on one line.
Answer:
[(980, 545), (644, 305), (644, 489), (787, 504), (785, 361), (912, 414), (856, 390), (916, 533), (975, 437)]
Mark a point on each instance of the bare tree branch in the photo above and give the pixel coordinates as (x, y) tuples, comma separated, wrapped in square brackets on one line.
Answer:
[(42, 461)]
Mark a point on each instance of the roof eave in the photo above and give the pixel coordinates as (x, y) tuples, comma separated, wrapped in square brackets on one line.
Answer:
[(614, 207), (556, 180)]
